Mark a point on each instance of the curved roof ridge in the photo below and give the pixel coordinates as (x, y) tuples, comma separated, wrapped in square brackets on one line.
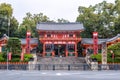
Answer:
[(60, 26), (114, 38), (58, 23), (4, 36)]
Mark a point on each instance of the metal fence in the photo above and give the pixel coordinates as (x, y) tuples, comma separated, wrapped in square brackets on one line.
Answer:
[(62, 67), (14, 66), (82, 67)]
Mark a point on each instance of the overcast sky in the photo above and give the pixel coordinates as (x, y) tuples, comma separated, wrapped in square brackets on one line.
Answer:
[(54, 9)]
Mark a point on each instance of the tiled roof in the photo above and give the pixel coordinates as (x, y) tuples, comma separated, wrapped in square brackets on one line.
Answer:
[(114, 38), (32, 41), (84, 40), (59, 26), (90, 41), (4, 37)]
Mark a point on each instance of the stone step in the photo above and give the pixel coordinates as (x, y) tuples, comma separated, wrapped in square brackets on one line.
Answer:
[(60, 60)]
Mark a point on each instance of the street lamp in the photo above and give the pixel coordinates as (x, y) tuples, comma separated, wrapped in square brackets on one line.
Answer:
[(8, 37), (8, 26), (4, 18)]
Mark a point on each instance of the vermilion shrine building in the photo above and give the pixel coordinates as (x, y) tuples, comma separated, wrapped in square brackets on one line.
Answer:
[(60, 39)]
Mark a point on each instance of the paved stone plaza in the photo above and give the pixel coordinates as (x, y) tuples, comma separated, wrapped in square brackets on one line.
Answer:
[(59, 75)]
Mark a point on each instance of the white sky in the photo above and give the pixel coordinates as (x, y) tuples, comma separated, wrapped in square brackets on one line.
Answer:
[(54, 9)]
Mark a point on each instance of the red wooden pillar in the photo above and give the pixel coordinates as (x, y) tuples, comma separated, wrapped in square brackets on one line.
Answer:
[(66, 53), (28, 35), (23, 49), (22, 57), (53, 53), (43, 49), (95, 42), (9, 56)]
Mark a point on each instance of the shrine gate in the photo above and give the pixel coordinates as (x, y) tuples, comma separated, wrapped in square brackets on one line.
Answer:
[(60, 39)]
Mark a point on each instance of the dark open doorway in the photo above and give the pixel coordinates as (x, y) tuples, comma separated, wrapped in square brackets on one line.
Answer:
[(59, 50)]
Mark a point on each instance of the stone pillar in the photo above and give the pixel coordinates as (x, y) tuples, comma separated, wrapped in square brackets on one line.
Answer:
[(104, 55), (94, 65)]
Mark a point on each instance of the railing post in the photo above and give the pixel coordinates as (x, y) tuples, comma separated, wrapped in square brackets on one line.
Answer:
[(84, 67), (24, 66), (116, 66), (100, 66), (68, 67), (53, 67), (38, 66)]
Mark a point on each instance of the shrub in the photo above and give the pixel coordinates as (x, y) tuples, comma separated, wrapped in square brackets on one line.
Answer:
[(1, 57), (27, 57), (116, 50), (16, 55), (97, 56), (109, 57), (15, 60), (14, 45)]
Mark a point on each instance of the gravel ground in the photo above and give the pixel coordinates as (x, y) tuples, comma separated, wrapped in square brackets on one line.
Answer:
[(59, 75)]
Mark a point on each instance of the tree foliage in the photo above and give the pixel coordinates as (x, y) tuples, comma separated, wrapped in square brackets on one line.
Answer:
[(5, 14), (115, 48), (103, 17), (8, 23), (62, 20), (29, 23), (14, 45)]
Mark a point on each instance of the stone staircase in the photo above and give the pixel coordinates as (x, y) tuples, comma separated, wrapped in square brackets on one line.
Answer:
[(60, 63), (61, 60)]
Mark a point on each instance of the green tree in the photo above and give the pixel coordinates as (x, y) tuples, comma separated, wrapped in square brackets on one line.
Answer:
[(30, 21), (98, 18), (21, 32), (5, 14), (116, 50), (116, 9), (14, 45), (62, 20), (13, 28), (6, 10), (8, 23)]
